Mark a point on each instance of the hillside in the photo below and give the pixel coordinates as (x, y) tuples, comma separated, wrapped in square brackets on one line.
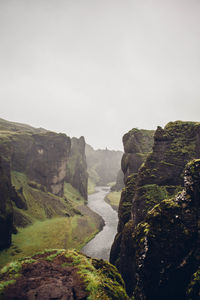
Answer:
[(38, 197)]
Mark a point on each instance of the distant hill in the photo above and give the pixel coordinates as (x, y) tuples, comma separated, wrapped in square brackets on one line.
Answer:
[(103, 165)]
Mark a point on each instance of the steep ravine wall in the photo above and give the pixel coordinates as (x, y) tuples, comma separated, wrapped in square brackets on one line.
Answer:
[(140, 230), (44, 157), (77, 167), (137, 145), (6, 214)]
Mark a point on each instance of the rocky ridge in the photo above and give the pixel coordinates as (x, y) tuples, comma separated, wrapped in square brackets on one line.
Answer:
[(154, 223)]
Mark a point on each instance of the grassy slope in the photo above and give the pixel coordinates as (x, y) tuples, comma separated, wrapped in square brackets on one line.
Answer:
[(56, 222), (91, 186), (113, 199)]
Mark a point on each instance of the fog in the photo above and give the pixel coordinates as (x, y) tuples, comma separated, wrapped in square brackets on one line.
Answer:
[(99, 67)]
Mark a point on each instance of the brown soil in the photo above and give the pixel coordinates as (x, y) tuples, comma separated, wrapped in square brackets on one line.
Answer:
[(43, 280)]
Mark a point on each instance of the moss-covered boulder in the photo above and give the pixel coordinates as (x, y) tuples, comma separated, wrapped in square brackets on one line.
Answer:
[(61, 274)]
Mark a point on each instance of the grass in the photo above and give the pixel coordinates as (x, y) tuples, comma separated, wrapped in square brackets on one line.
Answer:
[(113, 198), (91, 186), (100, 279), (72, 232), (56, 222)]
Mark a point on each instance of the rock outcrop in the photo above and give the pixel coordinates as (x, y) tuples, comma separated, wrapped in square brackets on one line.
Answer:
[(137, 145), (61, 274), (41, 156), (77, 167), (6, 212), (170, 224), (167, 244)]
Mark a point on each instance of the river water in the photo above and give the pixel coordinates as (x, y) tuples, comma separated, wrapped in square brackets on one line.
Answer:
[(99, 246)]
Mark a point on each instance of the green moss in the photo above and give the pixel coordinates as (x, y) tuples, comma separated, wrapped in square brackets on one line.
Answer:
[(101, 278), (193, 290), (5, 284), (152, 194), (13, 267)]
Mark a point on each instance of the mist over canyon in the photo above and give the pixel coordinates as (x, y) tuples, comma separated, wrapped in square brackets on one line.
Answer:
[(45, 180)]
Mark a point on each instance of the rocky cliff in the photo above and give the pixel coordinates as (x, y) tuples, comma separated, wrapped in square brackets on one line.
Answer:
[(167, 245), (103, 165), (41, 156), (137, 145), (118, 186), (174, 227), (77, 167), (36, 166), (6, 213)]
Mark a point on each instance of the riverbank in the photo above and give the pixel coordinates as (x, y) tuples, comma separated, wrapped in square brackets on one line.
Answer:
[(99, 247), (113, 198), (61, 232)]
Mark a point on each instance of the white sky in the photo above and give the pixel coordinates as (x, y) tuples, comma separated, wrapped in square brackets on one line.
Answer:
[(99, 67)]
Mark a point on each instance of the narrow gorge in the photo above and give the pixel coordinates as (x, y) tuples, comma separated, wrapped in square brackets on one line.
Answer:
[(50, 225)]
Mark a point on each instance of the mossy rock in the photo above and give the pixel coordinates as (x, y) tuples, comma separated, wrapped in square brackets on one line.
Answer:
[(56, 273), (193, 291), (166, 244)]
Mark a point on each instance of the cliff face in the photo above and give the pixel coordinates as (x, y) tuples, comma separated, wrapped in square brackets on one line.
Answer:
[(42, 157), (6, 213), (103, 165), (167, 245), (77, 167), (159, 178), (119, 182), (38, 161), (137, 145)]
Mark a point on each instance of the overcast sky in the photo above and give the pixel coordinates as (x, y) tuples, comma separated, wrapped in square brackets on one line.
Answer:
[(99, 67)]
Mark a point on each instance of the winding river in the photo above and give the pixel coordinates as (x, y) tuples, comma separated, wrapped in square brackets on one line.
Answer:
[(99, 246)]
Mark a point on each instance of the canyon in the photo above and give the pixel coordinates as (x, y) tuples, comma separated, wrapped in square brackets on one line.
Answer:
[(155, 253)]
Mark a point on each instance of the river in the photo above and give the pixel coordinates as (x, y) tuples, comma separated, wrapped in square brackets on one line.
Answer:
[(99, 246)]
